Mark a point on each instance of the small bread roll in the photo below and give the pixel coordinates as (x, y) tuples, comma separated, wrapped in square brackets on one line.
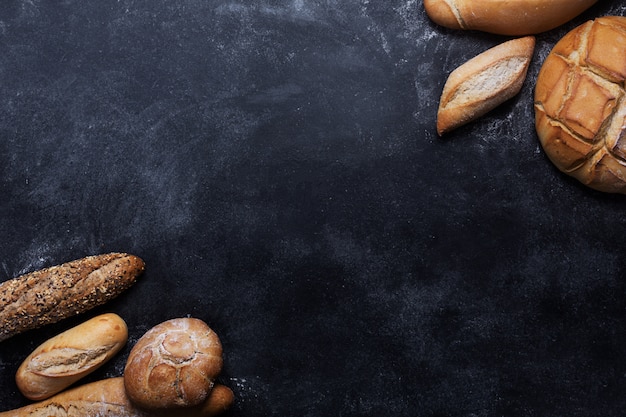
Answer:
[(580, 112), (219, 400), (64, 359), (483, 83), (173, 365)]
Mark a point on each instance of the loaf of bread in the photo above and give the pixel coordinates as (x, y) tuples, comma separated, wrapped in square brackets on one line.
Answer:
[(580, 112), (174, 364), (505, 17), (101, 398), (220, 399), (107, 398), (64, 359), (52, 294), (483, 83)]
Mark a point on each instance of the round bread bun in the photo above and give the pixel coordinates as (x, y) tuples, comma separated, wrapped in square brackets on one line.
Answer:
[(580, 113), (173, 365)]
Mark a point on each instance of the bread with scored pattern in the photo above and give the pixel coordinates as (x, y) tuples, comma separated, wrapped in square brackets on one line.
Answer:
[(107, 397), (483, 83), (505, 17), (580, 104), (69, 356)]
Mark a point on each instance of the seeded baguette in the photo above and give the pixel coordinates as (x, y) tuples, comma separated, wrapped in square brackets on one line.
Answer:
[(107, 397), (69, 356), (49, 295)]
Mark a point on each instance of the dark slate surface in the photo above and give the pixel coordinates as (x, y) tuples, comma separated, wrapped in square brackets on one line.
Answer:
[(276, 165)]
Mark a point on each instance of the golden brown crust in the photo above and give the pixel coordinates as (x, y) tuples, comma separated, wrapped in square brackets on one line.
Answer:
[(64, 359), (220, 399), (52, 294), (444, 13), (174, 364), (505, 17), (100, 398), (107, 397), (580, 112), (483, 83)]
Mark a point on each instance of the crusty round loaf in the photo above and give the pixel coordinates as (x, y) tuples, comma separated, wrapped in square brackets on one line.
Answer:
[(580, 113), (173, 365)]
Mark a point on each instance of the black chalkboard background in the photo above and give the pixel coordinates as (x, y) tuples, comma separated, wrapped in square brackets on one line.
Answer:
[(276, 165)]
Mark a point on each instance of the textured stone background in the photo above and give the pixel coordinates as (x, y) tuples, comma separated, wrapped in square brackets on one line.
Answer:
[(276, 165)]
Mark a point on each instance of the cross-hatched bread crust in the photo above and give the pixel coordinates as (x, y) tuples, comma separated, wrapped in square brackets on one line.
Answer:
[(580, 112)]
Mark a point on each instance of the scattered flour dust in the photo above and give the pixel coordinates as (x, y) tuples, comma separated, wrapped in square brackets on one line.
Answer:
[(243, 390), (413, 15), (35, 257)]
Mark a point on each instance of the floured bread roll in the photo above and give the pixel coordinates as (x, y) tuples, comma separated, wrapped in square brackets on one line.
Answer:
[(580, 113), (64, 359), (173, 365), (483, 83)]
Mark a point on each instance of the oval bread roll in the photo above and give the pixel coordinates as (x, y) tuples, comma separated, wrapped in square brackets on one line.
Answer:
[(483, 83), (173, 365), (71, 355), (580, 112), (505, 17)]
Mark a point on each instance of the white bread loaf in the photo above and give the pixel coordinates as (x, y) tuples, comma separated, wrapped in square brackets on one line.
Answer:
[(505, 17), (174, 364), (107, 398), (580, 107), (483, 83), (64, 359)]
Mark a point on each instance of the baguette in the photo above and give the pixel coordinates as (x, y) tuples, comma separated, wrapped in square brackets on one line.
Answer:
[(483, 83), (505, 17), (107, 398), (49, 295), (64, 359)]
